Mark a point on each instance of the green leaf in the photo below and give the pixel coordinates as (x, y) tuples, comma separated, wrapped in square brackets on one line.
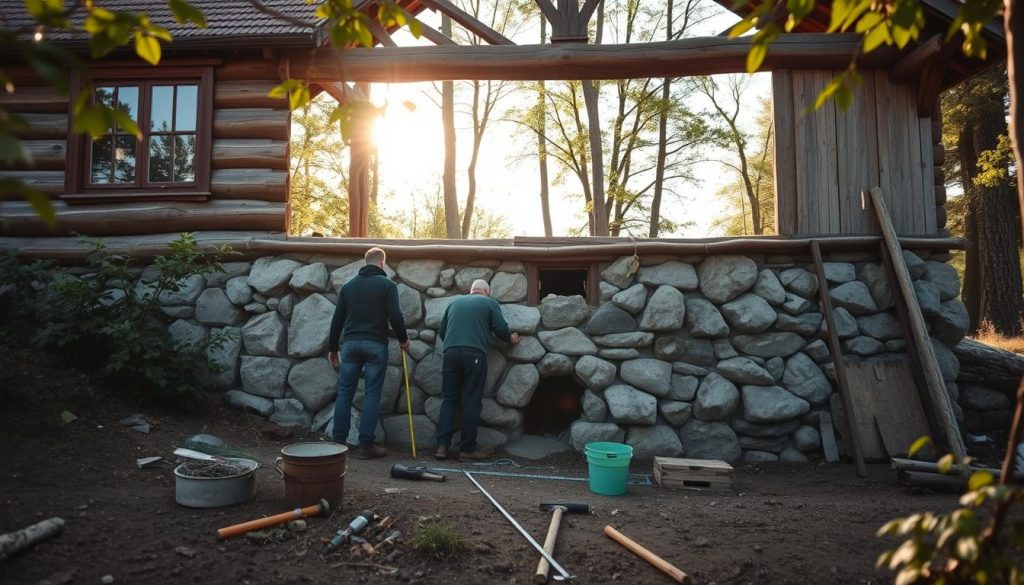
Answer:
[(415, 28), (878, 36), (125, 123), (284, 88), (41, 204), (868, 21), (184, 11), (756, 57), (741, 27), (299, 97), (919, 444), (147, 47), (946, 463), (980, 479)]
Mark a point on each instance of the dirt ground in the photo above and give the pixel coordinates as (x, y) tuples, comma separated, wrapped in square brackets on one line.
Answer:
[(781, 523)]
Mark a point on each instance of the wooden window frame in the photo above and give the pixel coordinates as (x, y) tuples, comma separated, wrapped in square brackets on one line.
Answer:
[(593, 282), (76, 185)]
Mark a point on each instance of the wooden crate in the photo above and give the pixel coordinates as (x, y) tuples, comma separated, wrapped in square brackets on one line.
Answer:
[(692, 473)]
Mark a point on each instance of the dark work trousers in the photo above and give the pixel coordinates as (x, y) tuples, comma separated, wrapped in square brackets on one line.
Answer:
[(464, 375)]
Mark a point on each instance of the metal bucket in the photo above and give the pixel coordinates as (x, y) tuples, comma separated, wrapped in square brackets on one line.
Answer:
[(311, 472), (213, 492)]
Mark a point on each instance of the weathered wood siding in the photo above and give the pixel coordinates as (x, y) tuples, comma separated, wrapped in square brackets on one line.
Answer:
[(248, 169), (826, 158)]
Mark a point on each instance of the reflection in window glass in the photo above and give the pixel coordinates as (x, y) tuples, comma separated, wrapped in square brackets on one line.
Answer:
[(128, 102), (162, 108), (185, 158), (160, 153), (186, 108), (124, 160), (101, 159), (105, 97)]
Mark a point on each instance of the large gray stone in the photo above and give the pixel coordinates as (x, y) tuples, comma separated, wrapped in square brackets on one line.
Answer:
[(769, 288), (507, 287), (723, 349), (654, 376), (222, 353), (723, 278), (519, 385), (310, 327), (567, 341), (521, 319), (187, 336), (555, 364), (628, 405), (676, 274), (743, 370), (767, 345), (536, 448), (238, 290), (419, 274), (496, 415), (311, 278), (796, 305), (765, 404), (709, 440), (606, 291), (396, 429), (717, 398), (928, 298), (948, 362), (486, 438), (800, 282), (594, 407), (618, 272), (265, 334), (697, 351), (428, 374), (839, 272), (557, 312), (881, 326), (496, 363), (818, 351), (596, 373), (410, 304), (846, 324), (863, 345), (631, 300), (675, 412), (776, 367), (609, 319), (915, 266), (665, 310), (314, 382), (353, 430), (635, 339), (703, 319), (984, 399), (683, 387), (749, 313), (805, 379), (952, 322), (249, 402), (651, 442), (583, 432), (875, 277), (229, 270), (792, 455), (618, 354), (527, 350), (435, 311), (344, 274), (807, 439), (944, 277), (768, 430), (270, 276), (855, 297), (432, 408), (465, 277), (214, 308), (186, 312), (265, 376), (806, 324), (286, 305), (188, 291)]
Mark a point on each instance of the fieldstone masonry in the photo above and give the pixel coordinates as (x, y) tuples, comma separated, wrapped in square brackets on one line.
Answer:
[(720, 357)]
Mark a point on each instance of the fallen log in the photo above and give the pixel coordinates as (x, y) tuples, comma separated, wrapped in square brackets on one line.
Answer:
[(18, 540), (989, 366)]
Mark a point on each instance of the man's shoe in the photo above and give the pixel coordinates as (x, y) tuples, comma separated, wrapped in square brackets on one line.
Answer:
[(477, 455), (442, 453), (371, 452)]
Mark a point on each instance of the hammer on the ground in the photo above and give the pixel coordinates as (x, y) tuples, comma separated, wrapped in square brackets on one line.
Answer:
[(549, 543)]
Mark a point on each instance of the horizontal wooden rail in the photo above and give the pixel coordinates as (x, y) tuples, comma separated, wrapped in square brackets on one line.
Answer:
[(685, 57)]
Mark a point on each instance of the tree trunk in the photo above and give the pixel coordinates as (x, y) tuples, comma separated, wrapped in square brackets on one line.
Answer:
[(989, 366), (542, 149), (451, 200), (467, 215), (1013, 24), (970, 291), (599, 210), (666, 89)]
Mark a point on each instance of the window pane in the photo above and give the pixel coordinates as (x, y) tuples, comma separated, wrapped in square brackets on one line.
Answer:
[(105, 97), (161, 108), (185, 115), (128, 101), (160, 153), (100, 171), (124, 165), (184, 158)]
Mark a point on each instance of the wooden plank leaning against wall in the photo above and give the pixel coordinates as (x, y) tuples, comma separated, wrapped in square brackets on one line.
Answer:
[(249, 166)]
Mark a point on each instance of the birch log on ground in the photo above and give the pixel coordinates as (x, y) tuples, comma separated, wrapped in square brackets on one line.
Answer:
[(12, 542), (989, 366)]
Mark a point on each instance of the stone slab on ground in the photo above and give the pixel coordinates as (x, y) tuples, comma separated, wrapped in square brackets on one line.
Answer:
[(534, 447)]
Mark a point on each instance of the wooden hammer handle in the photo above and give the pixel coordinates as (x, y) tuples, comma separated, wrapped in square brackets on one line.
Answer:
[(658, 562), (235, 530), (549, 545)]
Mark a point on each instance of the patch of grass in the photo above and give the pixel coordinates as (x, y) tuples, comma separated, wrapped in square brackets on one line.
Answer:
[(438, 538), (988, 335)]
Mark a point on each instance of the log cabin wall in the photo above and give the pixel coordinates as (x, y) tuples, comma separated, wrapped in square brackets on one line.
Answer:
[(826, 158), (249, 164)]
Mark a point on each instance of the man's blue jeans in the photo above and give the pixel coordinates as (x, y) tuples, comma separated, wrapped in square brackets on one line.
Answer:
[(370, 358), (464, 375)]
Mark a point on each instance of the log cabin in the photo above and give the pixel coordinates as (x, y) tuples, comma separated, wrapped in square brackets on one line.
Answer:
[(738, 369)]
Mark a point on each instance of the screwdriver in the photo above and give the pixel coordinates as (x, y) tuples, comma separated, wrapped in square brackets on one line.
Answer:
[(355, 526)]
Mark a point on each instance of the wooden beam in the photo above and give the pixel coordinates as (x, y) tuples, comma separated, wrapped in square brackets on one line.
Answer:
[(680, 58), (549, 10), (929, 85), (250, 154), (908, 66), (468, 21), (587, 11), (252, 123), (380, 33), (47, 155), (246, 94), (433, 35), (260, 184)]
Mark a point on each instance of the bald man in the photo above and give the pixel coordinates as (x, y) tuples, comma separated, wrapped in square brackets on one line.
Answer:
[(466, 329)]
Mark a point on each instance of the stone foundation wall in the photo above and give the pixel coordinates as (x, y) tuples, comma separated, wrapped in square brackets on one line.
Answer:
[(718, 357)]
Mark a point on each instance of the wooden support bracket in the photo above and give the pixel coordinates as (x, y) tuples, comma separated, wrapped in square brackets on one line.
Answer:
[(468, 21)]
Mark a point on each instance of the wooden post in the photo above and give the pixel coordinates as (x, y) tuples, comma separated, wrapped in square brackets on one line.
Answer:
[(926, 353), (837, 358), (360, 144)]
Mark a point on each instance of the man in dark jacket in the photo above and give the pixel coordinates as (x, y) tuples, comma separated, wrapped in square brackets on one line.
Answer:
[(366, 304), (466, 331)]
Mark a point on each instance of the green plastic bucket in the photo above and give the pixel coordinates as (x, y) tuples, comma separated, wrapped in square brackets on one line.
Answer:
[(609, 467)]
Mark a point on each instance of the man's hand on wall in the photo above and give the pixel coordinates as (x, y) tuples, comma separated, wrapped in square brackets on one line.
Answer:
[(333, 357), (515, 339)]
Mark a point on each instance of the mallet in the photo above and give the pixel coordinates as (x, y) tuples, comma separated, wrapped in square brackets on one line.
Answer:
[(549, 543), (323, 508)]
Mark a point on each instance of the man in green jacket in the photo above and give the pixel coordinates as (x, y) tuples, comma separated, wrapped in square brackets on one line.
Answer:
[(466, 331), (366, 304)]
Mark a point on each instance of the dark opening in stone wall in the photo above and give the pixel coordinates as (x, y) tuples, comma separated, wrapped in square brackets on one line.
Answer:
[(556, 404), (563, 282)]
